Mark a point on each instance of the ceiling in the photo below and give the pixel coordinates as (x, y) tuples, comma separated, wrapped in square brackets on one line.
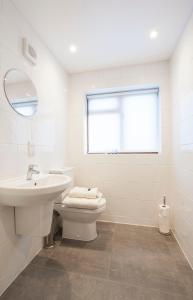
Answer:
[(107, 33)]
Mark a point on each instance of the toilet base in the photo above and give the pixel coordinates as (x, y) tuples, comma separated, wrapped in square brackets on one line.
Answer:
[(79, 231)]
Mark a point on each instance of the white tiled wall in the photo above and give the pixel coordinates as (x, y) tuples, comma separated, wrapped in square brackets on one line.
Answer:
[(132, 184), (46, 130), (182, 132)]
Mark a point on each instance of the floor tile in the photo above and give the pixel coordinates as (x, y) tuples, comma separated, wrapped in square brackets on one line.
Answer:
[(125, 262), (39, 283), (72, 259), (87, 288), (159, 295)]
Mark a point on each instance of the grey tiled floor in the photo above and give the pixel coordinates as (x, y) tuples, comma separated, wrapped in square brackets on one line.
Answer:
[(124, 262)]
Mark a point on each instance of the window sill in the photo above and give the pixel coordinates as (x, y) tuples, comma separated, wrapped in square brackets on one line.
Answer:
[(114, 153)]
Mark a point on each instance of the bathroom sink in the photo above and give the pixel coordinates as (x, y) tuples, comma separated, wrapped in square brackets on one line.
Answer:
[(43, 188), (33, 201)]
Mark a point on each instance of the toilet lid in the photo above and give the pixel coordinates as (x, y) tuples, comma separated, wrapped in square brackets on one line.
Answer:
[(84, 203)]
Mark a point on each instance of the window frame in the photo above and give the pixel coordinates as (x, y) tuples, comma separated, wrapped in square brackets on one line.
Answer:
[(119, 91)]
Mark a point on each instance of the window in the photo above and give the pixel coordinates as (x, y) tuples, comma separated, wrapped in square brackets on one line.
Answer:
[(26, 107), (123, 122)]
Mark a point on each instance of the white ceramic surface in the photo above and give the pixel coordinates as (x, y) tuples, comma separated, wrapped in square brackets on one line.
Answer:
[(78, 223), (41, 189)]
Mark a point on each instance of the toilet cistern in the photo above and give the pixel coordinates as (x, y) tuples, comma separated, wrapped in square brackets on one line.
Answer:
[(31, 171)]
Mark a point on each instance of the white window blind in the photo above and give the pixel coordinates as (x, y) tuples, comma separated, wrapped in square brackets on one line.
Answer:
[(123, 122)]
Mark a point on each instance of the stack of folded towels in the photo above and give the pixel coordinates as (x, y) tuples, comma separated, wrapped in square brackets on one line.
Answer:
[(82, 197)]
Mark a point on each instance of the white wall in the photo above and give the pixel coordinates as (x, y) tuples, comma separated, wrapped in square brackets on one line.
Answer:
[(182, 132), (132, 184), (46, 130)]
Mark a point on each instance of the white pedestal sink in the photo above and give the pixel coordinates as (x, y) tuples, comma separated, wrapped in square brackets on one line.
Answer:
[(33, 201)]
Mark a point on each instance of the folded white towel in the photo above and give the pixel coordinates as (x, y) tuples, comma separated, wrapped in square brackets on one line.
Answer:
[(84, 203), (83, 192), (99, 195)]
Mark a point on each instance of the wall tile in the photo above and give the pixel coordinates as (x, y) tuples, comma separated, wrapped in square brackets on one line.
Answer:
[(182, 148), (16, 131), (132, 184)]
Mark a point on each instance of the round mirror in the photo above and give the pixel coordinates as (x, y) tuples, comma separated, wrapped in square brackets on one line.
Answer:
[(20, 92)]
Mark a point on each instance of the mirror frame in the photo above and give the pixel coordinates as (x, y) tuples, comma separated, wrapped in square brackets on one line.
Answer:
[(4, 88)]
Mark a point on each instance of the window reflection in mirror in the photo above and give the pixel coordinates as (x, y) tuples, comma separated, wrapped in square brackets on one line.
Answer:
[(20, 92)]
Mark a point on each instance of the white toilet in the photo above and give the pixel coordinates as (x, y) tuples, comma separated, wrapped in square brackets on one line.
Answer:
[(79, 223)]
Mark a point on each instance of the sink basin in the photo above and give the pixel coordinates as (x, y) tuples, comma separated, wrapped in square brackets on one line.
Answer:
[(33, 201), (41, 189)]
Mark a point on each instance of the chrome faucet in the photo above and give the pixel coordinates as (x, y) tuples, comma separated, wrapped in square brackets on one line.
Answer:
[(31, 171)]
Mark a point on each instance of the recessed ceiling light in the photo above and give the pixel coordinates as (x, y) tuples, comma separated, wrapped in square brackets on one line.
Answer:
[(153, 34), (73, 48)]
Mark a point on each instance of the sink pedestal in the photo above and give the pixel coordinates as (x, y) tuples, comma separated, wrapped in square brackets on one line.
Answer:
[(35, 220)]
